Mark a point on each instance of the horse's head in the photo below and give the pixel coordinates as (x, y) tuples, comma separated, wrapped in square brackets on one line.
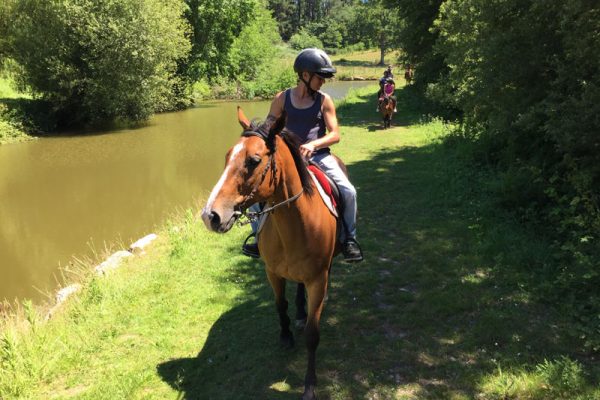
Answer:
[(387, 106), (248, 174)]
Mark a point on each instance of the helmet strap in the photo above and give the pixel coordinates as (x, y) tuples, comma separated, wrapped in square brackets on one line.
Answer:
[(312, 93)]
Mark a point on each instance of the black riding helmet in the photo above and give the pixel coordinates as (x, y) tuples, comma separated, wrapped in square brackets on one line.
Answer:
[(315, 61)]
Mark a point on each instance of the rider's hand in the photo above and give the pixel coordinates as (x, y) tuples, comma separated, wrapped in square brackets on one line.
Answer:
[(307, 150)]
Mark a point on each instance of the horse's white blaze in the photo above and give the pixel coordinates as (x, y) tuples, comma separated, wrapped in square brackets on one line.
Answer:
[(215, 192)]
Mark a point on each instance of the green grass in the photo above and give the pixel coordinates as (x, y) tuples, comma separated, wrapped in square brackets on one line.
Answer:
[(440, 309), (365, 65)]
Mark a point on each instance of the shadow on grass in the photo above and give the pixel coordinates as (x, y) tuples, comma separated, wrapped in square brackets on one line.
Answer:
[(241, 357), (431, 313)]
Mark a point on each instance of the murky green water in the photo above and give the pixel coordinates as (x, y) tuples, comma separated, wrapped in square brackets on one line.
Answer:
[(72, 197)]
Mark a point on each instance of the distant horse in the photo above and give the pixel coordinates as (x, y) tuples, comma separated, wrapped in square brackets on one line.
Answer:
[(386, 108), (409, 75), (298, 239)]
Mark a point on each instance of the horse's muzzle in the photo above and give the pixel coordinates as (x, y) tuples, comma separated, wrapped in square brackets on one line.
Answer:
[(216, 223)]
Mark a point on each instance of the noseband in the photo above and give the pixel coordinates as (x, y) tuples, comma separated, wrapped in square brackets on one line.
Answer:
[(254, 216)]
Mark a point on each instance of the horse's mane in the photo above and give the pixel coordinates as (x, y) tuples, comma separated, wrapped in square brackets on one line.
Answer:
[(293, 143)]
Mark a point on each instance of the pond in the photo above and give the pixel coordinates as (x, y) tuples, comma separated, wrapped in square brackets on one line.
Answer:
[(77, 196)]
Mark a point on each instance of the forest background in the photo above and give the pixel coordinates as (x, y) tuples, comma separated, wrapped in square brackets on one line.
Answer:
[(521, 79)]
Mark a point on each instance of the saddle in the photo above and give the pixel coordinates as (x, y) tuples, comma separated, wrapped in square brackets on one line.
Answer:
[(328, 189)]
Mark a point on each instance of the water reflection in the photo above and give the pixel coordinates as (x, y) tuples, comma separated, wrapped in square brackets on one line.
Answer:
[(61, 197)]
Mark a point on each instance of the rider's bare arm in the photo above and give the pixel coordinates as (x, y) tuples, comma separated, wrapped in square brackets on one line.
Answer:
[(276, 107)]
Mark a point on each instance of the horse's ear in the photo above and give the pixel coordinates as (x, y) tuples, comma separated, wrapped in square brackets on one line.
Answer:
[(278, 125), (244, 122)]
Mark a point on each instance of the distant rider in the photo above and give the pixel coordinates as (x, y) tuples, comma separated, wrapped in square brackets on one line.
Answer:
[(388, 91), (386, 74)]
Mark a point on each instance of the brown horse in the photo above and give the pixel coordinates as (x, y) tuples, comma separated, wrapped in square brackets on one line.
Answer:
[(298, 240), (386, 108)]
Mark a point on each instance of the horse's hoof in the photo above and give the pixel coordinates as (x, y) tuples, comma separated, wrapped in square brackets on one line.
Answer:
[(287, 341), (299, 324)]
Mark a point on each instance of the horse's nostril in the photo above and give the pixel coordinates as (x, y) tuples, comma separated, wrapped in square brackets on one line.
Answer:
[(214, 219)]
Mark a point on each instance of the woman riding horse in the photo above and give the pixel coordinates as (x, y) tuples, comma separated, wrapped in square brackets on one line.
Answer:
[(311, 116), (267, 165)]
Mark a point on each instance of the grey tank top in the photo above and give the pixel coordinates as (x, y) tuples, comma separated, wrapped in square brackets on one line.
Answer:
[(308, 123)]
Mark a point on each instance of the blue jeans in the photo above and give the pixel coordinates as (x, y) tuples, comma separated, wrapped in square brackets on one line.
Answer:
[(328, 164)]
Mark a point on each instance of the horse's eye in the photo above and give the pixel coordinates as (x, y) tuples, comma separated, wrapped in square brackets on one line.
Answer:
[(253, 161)]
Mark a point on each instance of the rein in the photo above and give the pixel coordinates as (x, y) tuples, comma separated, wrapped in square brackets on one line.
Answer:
[(252, 216)]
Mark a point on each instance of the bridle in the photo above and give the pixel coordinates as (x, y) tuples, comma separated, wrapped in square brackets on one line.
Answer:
[(252, 216)]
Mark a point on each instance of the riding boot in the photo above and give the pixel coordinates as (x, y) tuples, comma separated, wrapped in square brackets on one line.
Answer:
[(352, 251), (350, 248)]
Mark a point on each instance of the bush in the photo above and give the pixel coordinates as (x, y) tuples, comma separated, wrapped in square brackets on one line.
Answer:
[(255, 49), (563, 377), (303, 40), (525, 75), (270, 82), (332, 36), (98, 61)]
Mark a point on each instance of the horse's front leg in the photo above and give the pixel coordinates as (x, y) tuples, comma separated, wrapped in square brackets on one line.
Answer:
[(278, 284), (316, 296)]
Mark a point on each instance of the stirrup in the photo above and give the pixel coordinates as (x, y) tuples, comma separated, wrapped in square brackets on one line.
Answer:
[(250, 250), (252, 235)]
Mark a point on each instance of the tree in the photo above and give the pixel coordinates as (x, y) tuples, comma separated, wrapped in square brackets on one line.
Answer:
[(100, 60), (377, 25), (215, 25), (284, 12), (417, 36), (256, 58), (526, 75), (6, 16), (255, 48)]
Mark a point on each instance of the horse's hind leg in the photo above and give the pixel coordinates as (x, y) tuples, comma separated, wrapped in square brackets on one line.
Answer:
[(278, 285), (300, 322), (316, 295)]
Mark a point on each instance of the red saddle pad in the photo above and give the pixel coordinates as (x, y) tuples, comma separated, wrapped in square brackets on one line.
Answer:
[(324, 182)]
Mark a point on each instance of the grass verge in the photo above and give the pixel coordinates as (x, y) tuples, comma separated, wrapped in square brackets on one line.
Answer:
[(440, 309), (365, 65)]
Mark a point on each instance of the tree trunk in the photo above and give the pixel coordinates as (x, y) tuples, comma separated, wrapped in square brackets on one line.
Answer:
[(382, 49)]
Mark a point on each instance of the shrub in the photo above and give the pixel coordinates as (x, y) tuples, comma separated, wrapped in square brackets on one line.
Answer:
[(303, 40), (525, 75), (563, 377), (98, 61), (255, 49)]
